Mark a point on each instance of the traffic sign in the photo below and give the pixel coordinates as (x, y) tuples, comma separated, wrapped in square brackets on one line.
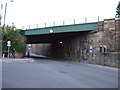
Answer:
[(29, 46), (9, 43), (91, 49)]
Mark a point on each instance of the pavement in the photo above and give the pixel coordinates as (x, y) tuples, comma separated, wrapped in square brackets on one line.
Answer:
[(17, 60), (48, 73)]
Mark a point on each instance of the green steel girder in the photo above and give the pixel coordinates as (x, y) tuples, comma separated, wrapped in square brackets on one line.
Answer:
[(62, 29)]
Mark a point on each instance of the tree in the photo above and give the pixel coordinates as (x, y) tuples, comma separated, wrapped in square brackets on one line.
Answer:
[(16, 38), (118, 10)]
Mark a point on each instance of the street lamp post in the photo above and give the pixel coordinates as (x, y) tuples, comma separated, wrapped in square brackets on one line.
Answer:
[(1, 14), (5, 15)]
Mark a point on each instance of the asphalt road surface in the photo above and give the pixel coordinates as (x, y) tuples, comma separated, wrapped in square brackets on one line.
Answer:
[(46, 73)]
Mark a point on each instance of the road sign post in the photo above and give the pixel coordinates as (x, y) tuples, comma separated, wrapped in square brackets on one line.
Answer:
[(8, 44)]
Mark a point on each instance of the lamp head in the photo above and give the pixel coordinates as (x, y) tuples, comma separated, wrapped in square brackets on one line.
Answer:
[(11, 0)]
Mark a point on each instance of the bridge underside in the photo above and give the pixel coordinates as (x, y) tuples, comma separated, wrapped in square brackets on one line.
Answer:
[(54, 37)]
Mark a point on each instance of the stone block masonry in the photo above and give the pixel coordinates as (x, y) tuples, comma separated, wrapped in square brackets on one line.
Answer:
[(40, 49), (107, 34)]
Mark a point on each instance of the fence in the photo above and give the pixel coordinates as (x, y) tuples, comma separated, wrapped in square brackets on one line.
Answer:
[(60, 23)]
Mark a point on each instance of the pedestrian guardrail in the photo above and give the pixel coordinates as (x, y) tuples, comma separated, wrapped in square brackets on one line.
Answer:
[(61, 23)]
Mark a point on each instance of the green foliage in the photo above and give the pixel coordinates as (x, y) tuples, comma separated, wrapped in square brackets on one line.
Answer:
[(118, 10), (16, 38)]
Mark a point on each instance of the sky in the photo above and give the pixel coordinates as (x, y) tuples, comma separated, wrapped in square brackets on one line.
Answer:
[(28, 12)]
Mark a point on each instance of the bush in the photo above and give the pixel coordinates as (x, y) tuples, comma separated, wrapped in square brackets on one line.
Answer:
[(16, 38)]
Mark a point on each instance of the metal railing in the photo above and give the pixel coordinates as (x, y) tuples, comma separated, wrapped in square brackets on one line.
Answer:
[(60, 23)]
